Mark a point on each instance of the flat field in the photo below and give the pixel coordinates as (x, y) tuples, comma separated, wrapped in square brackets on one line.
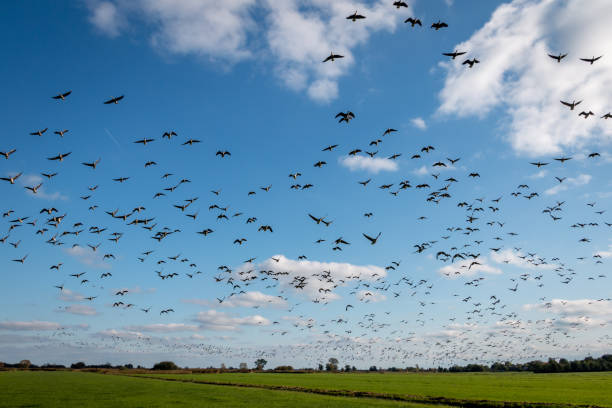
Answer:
[(79, 389), (68, 389), (567, 388)]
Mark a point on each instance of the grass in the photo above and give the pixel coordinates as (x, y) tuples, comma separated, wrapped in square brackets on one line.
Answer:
[(570, 388), (77, 389)]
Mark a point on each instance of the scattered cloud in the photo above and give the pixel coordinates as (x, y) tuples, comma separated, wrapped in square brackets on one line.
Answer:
[(220, 321), (105, 16), (370, 164), (516, 75), (321, 278), (162, 328), (605, 254), (570, 182), (419, 123), (370, 296), (518, 259), (578, 307), (468, 268), (296, 34), (34, 325), (83, 310), (247, 299), (88, 257)]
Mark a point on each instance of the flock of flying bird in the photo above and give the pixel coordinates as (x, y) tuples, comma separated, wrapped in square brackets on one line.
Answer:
[(461, 248)]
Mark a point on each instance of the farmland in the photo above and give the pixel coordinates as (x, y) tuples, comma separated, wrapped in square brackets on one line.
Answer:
[(126, 389)]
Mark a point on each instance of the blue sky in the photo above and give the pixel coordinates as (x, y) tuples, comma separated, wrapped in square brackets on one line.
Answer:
[(247, 77)]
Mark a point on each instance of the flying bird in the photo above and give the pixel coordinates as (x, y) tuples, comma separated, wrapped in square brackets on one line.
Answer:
[(114, 100)]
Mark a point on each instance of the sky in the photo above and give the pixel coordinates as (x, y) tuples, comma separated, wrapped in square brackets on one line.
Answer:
[(490, 249)]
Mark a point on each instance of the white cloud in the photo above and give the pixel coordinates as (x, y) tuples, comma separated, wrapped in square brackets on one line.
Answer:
[(123, 334), (516, 74), (510, 257), (371, 164), (106, 17), (605, 254), (320, 277), (88, 257), (296, 35), (32, 180), (466, 268), (83, 310), (419, 123), (162, 328), (220, 321), (33, 325), (578, 307), (247, 299), (371, 296), (570, 182)]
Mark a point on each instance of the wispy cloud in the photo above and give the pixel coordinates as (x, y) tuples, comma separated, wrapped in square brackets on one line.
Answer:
[(247, 299), (220, 321), (419, 123), (34, 325)]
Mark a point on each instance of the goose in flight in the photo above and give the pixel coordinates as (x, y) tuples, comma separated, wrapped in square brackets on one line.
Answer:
[(144, 141), (39, 132), (453, 55), (345, 116), (93, 165), (470, 63), (12, 179), (222, 153), (399, 4), (557, 57), (7, 154), (439, 25), (34, 189), (61, 133), (61, 96), (571, 105), (60, 156), (413, 21), (332, 57), (591, 60), (586, 114), (354, 17), (372, 240), (114, 100)]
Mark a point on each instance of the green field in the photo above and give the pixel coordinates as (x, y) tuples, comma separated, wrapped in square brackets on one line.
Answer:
[(121, 389), (74, 389), (569, 388)]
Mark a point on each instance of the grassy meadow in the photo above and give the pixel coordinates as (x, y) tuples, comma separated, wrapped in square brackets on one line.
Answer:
[(68, 389)]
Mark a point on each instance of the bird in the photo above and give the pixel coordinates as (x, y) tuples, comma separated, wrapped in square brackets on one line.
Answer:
[(93, 164), (439, 25), (114, 100), (60, 156), (39, 132), (557, 57), (11, 179), (372, 240), (388, 131), (222, 153), (399, 4), (62, 96), (61, 133), (571, 105), (345, 116), (413, 21), (586, 114), (7, 154), (144, 141), (354, 17), (332, 57), (591, 60), (454, 54), (539, 164), (470, 63)]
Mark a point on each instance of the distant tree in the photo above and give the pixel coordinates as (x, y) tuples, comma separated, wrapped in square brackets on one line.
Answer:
[(354, 368), (165, 365), (373, 368), (243, 366), (320, 367), (347, 368), (260, 363), (332, 364), (24, 364), (78, 365), (223, 366)]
